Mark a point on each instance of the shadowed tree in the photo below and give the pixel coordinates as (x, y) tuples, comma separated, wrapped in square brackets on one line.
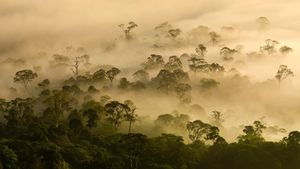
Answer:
[(18, 111), (214, 136), (293, 138), (75, 122), (167, 80), (92, 89), (283, 73), (58, 102), (75, 67), (216, 68), (214, 37), (153, 62), (269, 47), (284, 50), (8, 158), (112, 73), (127, 30), (165, 120), (173, 33), (183, 92), (174, 63), (44, 84), (197, 64), (124, 83), (115, 112), (24, 77), (141, 75), (201, 50), (227, 53), (181, 76), (99, 75), (253, 133), (206, 83), (263, 23), (217, 118), (197, 130), (134, 145), (130, 115), (60, 60), (92, 117), (92, 111), (163, 28)]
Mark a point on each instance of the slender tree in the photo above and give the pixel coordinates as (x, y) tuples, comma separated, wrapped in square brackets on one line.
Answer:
[(130, 115)]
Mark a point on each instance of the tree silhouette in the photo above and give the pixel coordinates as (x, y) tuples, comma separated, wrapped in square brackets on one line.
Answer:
[(283, 73), (201, 50), (284, 50), (115, 112), (24, 77), (127, 30), (112, 73), (130, 115)]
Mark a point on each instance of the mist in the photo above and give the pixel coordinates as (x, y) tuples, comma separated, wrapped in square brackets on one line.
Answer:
[(33, 31)]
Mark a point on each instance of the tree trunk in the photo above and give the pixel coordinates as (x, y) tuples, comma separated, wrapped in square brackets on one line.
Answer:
[(111, 83), (129, 128), (1, 166)]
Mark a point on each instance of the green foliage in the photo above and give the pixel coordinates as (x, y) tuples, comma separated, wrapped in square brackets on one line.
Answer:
[(115, 112), (8, 158)]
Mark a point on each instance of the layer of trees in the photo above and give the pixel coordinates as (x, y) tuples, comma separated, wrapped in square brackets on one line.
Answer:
[(73, 125)]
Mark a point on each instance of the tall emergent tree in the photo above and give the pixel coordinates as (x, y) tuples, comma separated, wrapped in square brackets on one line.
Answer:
[(197, 129), (24, 77), (253, 133), (127, 30), (197, 64), (269, 47), (112, 73), (130, 115), (115, 112), (283, 72)]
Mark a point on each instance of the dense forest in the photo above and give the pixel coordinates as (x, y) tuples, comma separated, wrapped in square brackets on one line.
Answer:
[(176, 108)]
